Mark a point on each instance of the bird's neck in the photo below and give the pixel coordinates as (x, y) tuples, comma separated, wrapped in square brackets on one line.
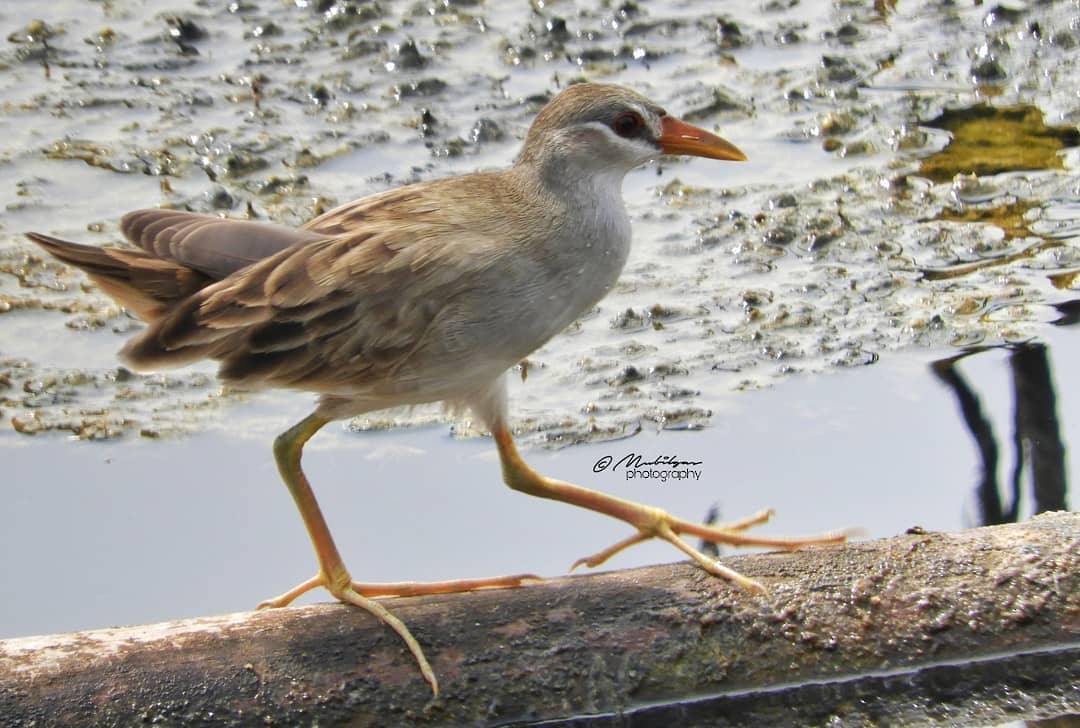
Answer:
[(588, 237), (588, 198)]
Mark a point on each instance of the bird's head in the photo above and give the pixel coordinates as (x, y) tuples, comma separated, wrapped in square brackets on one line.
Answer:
[(609, 128)]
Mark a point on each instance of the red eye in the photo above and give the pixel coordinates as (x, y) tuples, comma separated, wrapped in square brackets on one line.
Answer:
[(628, 124)]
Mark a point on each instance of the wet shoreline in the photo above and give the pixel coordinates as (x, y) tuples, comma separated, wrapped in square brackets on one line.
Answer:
[(811, 257)]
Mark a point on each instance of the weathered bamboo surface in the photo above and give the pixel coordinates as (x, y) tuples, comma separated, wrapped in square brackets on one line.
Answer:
[(626, 648)]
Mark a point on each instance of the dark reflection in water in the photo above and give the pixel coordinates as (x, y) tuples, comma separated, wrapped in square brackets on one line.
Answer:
[(1037, 444), (1037, 433)]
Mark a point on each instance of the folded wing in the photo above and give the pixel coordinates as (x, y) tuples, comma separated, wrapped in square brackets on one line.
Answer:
[(335, 307)]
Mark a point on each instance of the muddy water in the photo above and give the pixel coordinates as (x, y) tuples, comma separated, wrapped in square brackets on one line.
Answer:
[(810, 257), (833, 249)]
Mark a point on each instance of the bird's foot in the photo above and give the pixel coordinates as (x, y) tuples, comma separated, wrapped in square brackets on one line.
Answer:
[(341, 586), (404, 588), (657, 523), (359, 594)]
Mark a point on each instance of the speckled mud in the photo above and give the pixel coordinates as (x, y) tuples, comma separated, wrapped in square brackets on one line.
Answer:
[(833, 246)]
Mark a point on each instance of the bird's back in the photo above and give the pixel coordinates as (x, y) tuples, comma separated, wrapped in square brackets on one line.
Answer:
[(406, 296)]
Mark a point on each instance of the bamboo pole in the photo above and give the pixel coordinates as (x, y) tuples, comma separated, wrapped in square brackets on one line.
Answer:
[(847, 632)]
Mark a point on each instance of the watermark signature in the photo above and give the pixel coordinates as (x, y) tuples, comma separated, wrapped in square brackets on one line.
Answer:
[(662, 467)]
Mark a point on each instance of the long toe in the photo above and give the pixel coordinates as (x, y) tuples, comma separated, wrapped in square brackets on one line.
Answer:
[(416, 588), (349, 596), (287, 598)]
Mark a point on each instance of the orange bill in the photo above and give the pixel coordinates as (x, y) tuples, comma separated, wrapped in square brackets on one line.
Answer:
[(678, 137)]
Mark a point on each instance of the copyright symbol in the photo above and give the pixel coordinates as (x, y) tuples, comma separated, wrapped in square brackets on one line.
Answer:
[(602, 464)]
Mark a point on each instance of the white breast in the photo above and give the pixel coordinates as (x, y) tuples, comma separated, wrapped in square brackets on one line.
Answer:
[(535, 288), (589, 252)]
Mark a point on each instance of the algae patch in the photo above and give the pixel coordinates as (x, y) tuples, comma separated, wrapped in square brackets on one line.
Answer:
[(1011, 217), (988, 140)]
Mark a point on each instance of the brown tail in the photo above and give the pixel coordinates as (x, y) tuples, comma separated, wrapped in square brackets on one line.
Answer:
[(146, 285)]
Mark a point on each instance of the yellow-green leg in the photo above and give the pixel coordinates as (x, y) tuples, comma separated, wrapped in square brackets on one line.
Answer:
[(650, 522), (333, 575), (332, 572)]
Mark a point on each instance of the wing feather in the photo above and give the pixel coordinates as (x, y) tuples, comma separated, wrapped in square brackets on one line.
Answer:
[(215, 246), (343, 307)]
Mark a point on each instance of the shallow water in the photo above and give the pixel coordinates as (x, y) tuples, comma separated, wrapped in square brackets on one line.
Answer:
[(805, 259), (146, 531), (738, 337)]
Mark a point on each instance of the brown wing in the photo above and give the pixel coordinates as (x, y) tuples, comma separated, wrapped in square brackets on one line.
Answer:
[(214, 246), (340, 311), (138, 281), (181, 253)]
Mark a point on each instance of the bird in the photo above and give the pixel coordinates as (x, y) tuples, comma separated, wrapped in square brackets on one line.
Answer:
[(423, 293)]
